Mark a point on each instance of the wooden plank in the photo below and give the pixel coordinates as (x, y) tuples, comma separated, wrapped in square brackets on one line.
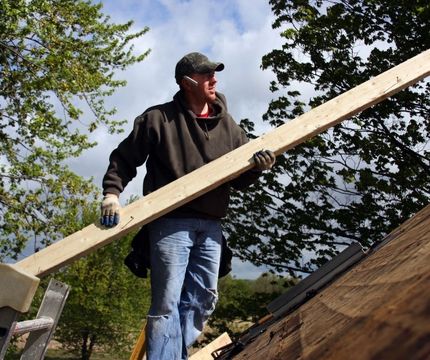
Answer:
[(229, 166), (17, 288), (205, 353), (140, 347)]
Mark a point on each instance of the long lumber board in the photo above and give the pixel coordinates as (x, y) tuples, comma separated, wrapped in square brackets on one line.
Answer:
[(229, 166)]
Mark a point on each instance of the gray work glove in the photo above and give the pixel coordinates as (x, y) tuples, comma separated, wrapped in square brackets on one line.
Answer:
[(264, 160), (110, 208)]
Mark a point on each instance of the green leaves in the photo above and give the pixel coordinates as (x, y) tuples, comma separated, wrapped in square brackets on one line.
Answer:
[(107, 303), (57, 65), (360, 179)]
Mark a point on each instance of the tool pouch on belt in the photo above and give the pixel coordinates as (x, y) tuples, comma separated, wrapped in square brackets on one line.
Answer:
[(138, 260)]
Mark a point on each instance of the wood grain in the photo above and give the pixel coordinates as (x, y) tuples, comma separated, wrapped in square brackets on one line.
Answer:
[(378, 310)]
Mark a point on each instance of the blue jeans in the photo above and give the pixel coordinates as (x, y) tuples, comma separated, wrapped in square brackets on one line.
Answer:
[(185, 258)]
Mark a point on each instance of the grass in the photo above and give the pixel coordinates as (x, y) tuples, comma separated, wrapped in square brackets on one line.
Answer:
[(58, 354)]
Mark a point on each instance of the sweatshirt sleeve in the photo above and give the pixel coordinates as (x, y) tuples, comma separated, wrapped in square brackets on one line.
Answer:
[(131, 153), (247, 178)]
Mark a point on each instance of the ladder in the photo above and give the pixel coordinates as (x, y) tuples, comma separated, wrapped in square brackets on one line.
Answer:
[(40, 329)]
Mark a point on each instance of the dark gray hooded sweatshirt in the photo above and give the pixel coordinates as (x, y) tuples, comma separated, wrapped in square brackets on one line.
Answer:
[(174, 142)]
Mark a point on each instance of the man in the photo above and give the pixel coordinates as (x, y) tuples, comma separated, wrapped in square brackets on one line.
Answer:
[(174, 139)]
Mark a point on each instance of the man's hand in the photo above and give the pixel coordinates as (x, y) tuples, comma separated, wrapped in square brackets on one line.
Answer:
[(264, 160), (110, 210)]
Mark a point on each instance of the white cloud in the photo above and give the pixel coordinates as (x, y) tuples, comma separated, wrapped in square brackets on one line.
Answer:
[(246, 270)]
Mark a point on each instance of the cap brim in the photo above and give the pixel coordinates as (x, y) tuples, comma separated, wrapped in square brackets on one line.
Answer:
[(209, 67), (219, 67)]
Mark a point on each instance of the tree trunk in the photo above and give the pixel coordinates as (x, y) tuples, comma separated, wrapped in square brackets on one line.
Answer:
[(91, 346), (84, 347)]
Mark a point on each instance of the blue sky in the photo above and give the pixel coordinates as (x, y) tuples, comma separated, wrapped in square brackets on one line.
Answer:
[(235, 32)]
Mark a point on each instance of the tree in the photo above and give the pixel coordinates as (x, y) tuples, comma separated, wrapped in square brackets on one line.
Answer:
[(360, 179), (57, 64), (107, 303)]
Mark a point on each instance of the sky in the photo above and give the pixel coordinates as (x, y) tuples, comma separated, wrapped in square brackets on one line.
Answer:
[(235, 32)]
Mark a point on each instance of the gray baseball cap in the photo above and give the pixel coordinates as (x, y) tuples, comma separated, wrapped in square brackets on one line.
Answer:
[(195, 63)]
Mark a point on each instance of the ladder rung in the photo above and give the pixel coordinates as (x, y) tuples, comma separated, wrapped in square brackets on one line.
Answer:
[(26, 326)]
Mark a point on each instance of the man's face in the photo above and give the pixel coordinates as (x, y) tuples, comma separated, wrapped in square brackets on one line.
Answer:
[(205, 89)]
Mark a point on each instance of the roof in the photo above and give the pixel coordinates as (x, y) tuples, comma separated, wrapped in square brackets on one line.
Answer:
[(379, 309)]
